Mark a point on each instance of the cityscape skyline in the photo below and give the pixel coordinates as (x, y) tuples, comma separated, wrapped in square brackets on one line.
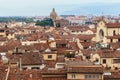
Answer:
[(59, 40), (43, 8)]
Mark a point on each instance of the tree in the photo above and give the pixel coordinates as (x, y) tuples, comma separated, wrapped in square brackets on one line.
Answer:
[(46, 22), (28, 20)]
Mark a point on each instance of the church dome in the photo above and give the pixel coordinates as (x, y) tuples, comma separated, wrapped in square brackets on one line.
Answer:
[(53, 14)]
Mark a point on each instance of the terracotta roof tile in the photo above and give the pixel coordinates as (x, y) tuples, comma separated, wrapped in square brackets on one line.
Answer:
[(113, 37), (109, 54), (85, 37), (60, 59), (25, 74), (32, 59), (113, 25)]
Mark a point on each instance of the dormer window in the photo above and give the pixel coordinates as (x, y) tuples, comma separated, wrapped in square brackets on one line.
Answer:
[(104, 61)]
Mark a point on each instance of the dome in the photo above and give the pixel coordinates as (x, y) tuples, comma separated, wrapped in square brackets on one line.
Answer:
[(53, 14)]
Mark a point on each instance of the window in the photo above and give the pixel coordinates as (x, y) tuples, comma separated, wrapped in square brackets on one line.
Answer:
[(25, 50), (85, 40), (86, 77), (111, 40), (35, 68), (87, 57), (16, 49), (1, 30), (94, 76), (104, 61), (73, 31), (91, 76), (49, 56), (73, 76), (118, 40), (116, 60), (97, 76), (7, 34), (96, 60), (114, 33), (116, 68)]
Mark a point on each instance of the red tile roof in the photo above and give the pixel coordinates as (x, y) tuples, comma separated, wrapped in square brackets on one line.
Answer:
[(32, 59), (61, 42), (87, 44), (113, 25), (60, 59), (115, 45), (83, 67), (85, 37), (113, 37), (26, 58), (25, 74), (109, 54)]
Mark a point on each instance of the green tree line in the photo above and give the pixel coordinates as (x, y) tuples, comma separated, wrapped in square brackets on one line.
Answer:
[(16, 19), (46, 22)]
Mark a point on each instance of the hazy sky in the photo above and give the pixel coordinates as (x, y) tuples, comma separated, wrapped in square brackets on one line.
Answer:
[(40, 7)]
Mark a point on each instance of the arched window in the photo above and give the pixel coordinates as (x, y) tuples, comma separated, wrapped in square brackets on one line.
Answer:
[(114, 33)]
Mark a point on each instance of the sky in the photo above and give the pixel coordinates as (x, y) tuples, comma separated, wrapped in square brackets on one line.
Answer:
[(42, 7)]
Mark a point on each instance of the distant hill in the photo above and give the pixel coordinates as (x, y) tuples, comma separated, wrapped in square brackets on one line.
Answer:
[(94, 9)]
